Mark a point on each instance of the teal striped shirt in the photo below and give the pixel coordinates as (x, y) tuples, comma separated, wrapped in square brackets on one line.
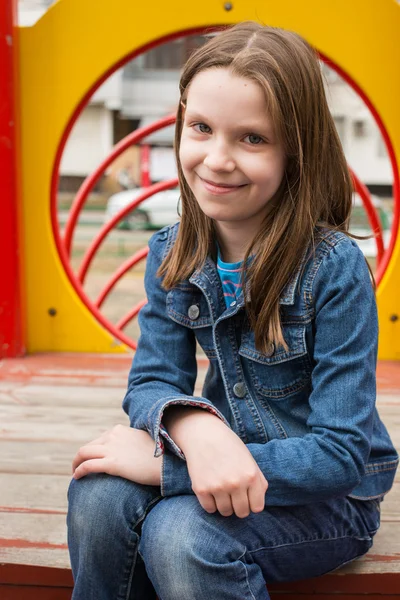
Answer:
[(231, 279)]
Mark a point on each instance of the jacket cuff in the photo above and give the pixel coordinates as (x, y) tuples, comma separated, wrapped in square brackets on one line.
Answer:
[(168, 443), (161, 437), (175, 479)]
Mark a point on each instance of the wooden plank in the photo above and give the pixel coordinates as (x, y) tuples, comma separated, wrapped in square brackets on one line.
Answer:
[(53, 458), (339, 583), (70, 368), (39, 423), (48, 409), (27, 491), (35, 556), (8, 592), (388, 376), (34, 539), (62, 395), (20, 574), (343, 596), (391, 504)]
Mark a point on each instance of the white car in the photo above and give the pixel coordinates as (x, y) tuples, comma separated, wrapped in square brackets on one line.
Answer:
[(359, 224), (162, 209), (157, 211)]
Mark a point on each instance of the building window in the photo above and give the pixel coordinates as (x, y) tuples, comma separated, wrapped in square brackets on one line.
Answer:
[(340, 124), (359, 128), (167, 57), (172, 55)]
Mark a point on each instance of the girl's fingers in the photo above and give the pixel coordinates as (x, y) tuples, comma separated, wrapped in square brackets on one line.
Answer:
[(88, 452), (241, 504), (207, 502), (224, 504), (96, 465), (100, 440), (256, 494)]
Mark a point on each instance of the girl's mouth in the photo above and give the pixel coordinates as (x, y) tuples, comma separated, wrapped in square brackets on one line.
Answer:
[(219, 188)]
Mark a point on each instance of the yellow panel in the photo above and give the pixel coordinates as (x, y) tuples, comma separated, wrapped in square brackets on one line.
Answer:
[(65, 54)]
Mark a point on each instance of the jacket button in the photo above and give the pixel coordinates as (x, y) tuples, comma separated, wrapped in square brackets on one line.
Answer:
[(239, 389), (193, 312), (270, 350)]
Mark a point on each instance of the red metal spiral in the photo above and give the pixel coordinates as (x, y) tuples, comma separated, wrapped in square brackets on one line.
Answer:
[(150, 191), (372, 215), (383, 256), (120, 272), (89, 183)]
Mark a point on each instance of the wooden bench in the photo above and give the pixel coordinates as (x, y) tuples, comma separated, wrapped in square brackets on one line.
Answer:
[(51, 404)]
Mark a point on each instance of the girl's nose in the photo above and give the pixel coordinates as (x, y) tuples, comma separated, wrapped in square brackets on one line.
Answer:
[(218, 158)]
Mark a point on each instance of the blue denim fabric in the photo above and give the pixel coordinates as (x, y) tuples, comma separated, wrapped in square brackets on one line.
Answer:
[(307, 414), (128, 543)]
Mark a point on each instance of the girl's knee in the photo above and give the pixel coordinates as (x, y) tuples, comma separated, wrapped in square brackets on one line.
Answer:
[(102, 503), (179, 531), (190, 553), (91, 504)]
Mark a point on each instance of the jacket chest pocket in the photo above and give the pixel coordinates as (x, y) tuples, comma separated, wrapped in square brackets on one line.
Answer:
[(279, 373), (187, 306)]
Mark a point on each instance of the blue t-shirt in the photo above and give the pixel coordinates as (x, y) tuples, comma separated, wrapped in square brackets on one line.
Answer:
[(231, 279)]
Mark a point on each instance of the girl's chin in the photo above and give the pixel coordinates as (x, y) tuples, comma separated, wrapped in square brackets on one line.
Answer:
[(222, 215), (220, 211)]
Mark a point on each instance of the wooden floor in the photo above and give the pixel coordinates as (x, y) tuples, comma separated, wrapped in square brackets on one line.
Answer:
[(51, 404)]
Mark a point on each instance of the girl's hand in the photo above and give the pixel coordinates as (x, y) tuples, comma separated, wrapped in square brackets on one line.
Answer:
[(225, 476), (121, 451)]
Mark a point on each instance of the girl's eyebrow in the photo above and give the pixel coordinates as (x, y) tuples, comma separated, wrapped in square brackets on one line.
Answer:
[(245, 128)]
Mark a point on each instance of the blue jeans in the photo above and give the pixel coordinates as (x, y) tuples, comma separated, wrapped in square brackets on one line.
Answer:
[(127, 542)]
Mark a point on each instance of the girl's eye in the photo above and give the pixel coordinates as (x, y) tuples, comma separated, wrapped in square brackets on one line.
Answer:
[(202, 128), (254, 139)]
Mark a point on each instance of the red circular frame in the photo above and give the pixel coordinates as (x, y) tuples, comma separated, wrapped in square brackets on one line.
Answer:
[(61, 247)]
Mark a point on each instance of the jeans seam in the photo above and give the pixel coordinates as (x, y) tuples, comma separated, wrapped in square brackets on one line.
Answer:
[(123, 595), (239, 559), (136, 549), (330, 539)]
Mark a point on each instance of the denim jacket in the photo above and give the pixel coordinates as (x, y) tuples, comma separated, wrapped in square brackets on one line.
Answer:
[(306, 414)]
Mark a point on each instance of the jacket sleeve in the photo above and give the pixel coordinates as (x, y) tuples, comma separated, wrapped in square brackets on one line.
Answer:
[(164, 367), (329, 461)]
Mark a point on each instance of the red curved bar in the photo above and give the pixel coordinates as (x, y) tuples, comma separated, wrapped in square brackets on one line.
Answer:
[(65, 245), (90, 181), (372, 215), (396, 177), (119, 335), (130, 315), (153, 189), (59, 242), (128, 264)]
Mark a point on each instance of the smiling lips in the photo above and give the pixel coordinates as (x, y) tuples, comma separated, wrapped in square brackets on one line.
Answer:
[(219, 188)]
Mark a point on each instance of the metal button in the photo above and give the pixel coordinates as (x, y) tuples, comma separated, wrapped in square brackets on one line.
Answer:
[(239, 389), (270, 349), (193, 312), (233, 303)]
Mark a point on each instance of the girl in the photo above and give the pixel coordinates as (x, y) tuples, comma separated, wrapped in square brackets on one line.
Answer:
[(276, 472)]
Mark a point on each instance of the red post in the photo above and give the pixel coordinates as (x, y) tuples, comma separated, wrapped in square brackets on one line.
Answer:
[(11, 319), (145, 177)]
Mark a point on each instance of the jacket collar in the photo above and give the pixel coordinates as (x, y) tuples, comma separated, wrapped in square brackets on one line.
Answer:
[(208, 277)]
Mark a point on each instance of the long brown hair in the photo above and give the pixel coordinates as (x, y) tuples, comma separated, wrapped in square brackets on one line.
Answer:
[(316, 188)]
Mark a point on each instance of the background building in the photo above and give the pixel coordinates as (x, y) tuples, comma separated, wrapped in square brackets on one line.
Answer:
[(146, 89)]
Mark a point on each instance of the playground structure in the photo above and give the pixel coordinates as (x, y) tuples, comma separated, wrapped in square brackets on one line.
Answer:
[(55, 67), (51, 404)]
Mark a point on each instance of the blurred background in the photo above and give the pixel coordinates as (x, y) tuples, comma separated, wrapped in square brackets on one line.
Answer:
[(140, 93)]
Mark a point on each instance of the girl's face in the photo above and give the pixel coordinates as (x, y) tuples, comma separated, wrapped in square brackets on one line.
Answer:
[(230, 155)]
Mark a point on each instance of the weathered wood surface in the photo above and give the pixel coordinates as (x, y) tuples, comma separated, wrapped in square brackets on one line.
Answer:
[(50, 405)]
